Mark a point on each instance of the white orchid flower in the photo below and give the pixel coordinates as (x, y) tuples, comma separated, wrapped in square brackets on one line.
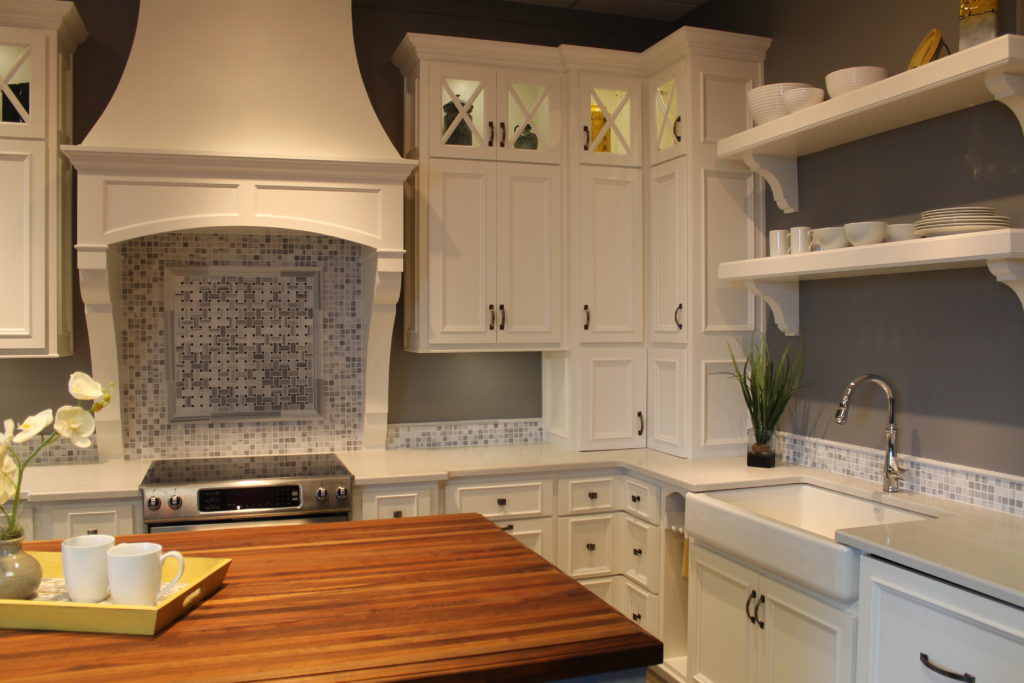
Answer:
[(84, 388), (76, 424), (8, 468), (31, 426)]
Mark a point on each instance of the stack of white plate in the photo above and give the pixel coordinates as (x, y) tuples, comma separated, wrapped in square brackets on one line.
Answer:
[(959, 219)]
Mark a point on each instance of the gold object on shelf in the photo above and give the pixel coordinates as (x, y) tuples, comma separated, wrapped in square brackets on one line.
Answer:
[(597, 122), (928, 49)]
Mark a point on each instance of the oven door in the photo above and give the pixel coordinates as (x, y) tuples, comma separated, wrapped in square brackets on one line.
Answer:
[(239, 523)]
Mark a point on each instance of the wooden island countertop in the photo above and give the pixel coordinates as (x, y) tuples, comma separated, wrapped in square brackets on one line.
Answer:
[(431, 598)]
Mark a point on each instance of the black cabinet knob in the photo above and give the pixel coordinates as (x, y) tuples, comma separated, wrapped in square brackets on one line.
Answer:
[(397, 514), (592, 495), (638, 551), (502, 501), (507, 527), (591, 546), (637, 616), (635, 499)]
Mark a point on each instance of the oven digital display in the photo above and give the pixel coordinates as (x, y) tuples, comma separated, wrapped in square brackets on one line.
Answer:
[(252, 498)]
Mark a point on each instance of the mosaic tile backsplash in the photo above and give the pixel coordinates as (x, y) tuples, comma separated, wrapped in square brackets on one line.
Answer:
[(468, 433), (148, 431)]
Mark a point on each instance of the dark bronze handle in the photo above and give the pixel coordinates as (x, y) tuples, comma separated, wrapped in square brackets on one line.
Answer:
[(753, 594), (640, 414), (501, 325), (397, 514), (490, 308), (592, 495), (675, 316), (507, 527), (635, 499), (638, 551), (502, 501), (586, 320), (757, 610), (675, 128), (591, 546), (637, 617), (490, 139), (502, 126), (586, 138), (967, 678)]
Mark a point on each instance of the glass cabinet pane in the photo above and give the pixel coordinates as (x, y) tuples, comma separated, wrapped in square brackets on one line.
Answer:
[(667, 119), (464, 113), (15, 79), (610, 112), (529, 116)]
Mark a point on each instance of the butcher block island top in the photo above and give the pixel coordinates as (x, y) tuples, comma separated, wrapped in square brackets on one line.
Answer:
[(431, 598)]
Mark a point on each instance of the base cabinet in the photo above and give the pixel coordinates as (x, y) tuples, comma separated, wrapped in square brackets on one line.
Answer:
[(397, 501), (916, 629), (633, 601), (64, 520), (745, 626)]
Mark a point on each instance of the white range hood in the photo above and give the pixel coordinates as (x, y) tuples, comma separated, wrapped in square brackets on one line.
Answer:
[(240, 113)]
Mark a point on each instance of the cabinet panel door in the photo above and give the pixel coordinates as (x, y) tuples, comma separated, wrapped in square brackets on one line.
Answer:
[(23, 68), (642, 499), (392, 502), (529, 254), (582, 495), (610, 115), (497, 500), (669, 250), (666, 104), (530, 119), (610, 254), (613, 388), (604, 588), (23, 277), (666, 399), (536, 534), (462, 197), (461, 107), (805, 639), (722, 639), (642, 552), (586, 545), (64, 520), (641, 606)]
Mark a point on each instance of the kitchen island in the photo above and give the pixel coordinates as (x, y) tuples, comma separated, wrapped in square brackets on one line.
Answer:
[(432, 598)]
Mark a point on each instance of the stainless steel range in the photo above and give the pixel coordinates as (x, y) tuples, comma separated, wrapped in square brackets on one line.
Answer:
[(180, 495)]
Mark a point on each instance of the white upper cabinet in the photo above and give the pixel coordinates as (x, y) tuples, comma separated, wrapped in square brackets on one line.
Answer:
[(666, 93), (668, 266), (609, 112), (36, 42), (478, 112)]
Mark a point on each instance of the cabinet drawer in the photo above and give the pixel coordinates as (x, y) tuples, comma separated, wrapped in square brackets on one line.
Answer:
[(641, 606), (64, 520), (642, 552), (586, 494), (642, 500), (604, 588), (496, 500), (536, 534), (586, 545), (391, 502), (910, 621)]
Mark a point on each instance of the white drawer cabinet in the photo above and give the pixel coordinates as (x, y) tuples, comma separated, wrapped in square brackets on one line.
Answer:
[(396, 501), (537, 534), (501, 498), (581, 495), (64, 520), (641, 499), (916, 629), (586, 545), (641, 552), (640, 605)]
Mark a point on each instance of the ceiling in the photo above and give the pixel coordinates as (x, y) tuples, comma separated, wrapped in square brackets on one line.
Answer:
[(664, 10)]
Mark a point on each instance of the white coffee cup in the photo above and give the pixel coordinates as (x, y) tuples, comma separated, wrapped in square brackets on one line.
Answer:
[(135, 570), (799, 239), (85, 566), (778, 242)]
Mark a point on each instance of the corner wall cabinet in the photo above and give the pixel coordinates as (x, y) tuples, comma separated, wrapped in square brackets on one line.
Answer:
[(37, 41), (990, 71)]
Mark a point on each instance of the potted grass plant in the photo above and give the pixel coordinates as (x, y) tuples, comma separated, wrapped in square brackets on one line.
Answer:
[(767, 385)]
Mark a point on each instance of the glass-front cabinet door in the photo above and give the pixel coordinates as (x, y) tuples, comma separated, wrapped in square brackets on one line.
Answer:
[(483, 113), (666, 92), (609, 108), (22, 108)]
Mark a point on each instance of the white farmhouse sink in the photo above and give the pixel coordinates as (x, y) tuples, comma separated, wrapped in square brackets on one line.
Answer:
[(789, 530)]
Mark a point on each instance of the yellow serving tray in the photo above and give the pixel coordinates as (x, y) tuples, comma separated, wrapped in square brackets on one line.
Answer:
[(203, 576)]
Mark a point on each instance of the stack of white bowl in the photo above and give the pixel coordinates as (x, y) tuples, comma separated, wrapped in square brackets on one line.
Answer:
[(959, 219), (765, 102)]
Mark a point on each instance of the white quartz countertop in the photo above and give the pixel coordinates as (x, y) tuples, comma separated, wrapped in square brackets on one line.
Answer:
[(980, 549)]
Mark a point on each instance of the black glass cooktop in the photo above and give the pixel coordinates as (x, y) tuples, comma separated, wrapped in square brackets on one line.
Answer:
[(198, 470)]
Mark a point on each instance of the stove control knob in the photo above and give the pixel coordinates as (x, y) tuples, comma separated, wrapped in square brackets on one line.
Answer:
[(174, 502), (321, 493), (341, 492), (153, 503)]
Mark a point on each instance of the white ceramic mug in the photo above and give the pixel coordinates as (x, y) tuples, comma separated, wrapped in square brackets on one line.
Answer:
[(799, 239), (85, 566), (135, 570), (778, 242)]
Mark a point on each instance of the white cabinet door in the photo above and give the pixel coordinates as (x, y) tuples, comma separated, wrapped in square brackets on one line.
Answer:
[(666, 399), (613, 390), (609, 110), (609, 254), (641, 499), (536, 534), (529, 254), (642, 552), (501, 499), (586, 545), (460, 237), (578, 495), (396, 501), (64, 520), (666, 93), (641, 606), (530, 116), (668, 262)]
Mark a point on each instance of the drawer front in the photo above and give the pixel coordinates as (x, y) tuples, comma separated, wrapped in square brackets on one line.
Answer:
[(536, 534), (591, 494), (641, 606), (586, 545), (604, 588), (56, 520), (642, 500), (397, 502), (496, 500), (912, 626), (642, 552)]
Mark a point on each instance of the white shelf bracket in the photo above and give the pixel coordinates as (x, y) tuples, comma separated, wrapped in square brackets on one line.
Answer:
[(783, 297), (1011, 273), (1008, 89), (780, 172)]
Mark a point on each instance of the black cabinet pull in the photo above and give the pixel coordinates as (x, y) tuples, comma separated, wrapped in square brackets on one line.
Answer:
[(592, 495), (490, 309), (507, 527), (640, 414), (637, 617), (502, 501), (942, 671), (501, 325), (635, 499), (490, 139), (750, 598), (502, 126), (586, 138), (638, 551), (675, 128), (586, 319), (397, 514), (675, 316), (591, 546), (757, 611)]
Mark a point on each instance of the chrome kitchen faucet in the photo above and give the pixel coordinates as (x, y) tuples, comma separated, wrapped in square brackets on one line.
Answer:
[(891, 475)]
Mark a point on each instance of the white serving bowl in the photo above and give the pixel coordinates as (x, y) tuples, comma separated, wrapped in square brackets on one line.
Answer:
[(897, 232), (801, 98), (829, 238), (847, 80), (865, 232), (765, 102)]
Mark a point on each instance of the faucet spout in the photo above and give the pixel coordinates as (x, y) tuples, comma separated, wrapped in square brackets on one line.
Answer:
[(891, 475)]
